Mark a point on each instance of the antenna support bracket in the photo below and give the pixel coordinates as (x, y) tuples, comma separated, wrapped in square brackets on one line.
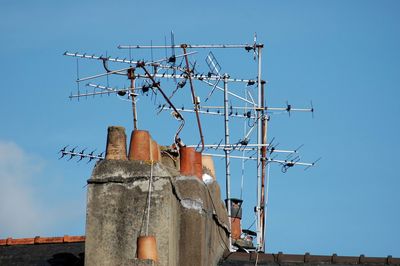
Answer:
[(131, 73)]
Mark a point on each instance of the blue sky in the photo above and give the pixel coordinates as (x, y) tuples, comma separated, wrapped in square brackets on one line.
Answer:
[(342, 55)]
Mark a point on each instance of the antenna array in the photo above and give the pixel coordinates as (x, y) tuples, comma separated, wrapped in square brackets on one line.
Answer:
[(248, 108), (81, 155)]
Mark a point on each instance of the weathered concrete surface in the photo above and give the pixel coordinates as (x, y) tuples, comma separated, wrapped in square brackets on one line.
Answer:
[(187, 217), (116, 212), (204, 222), (169, 158), (138, 262)]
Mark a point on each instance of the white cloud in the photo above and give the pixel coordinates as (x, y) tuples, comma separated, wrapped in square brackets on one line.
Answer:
[(21, 211)]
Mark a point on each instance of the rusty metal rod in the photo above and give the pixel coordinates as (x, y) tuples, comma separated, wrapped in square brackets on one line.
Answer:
[(196, 104), (178, 115), (264, 124)]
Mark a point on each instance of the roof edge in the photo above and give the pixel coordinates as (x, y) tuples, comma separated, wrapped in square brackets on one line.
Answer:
[(41, 240), (307, 258)]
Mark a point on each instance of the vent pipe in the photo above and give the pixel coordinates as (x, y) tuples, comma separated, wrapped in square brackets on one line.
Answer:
[(235, 218), (191, 162)]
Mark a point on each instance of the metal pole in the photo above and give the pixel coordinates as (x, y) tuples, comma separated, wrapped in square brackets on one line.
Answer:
[(259, 168), (131, 76), (227, 151), (264, 124)]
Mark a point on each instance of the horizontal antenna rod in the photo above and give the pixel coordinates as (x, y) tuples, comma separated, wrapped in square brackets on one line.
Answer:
[(92, 94), (111, 59), (72, 154), (231, 156), (167, 58), (166, 108), (230, 93), (265, 108), (208, 76), (240, 147), (195, 76), (95, 57), (92, 156), (109, 89), (103, 74), (288, 110), (284, 162), (230, 145), (207, 46)]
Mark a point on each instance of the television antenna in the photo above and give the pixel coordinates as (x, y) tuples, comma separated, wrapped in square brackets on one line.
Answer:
[(81, 155), (153, 72)]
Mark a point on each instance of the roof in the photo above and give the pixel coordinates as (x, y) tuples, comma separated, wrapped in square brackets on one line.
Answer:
[(242, 258), (41, 240), (66, 250), (69, 250)]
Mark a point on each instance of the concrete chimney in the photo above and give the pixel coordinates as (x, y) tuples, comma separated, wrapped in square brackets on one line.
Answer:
[(187, 217)]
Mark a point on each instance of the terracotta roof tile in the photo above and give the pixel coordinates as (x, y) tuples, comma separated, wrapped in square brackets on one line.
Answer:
[(45, 240), (41, 240), (69, 239)]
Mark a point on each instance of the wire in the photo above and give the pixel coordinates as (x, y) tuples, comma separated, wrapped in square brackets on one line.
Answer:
[(149, 198), (248, 228), (217, 218)]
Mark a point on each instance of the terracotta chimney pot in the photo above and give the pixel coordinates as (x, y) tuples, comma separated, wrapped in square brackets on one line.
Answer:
[(155, 151), (187, 159), (208, 163), (140, 146), (116, 143), (198, 166)]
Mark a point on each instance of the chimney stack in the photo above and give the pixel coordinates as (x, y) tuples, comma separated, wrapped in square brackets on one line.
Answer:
[(116, 144), (187, 221)]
